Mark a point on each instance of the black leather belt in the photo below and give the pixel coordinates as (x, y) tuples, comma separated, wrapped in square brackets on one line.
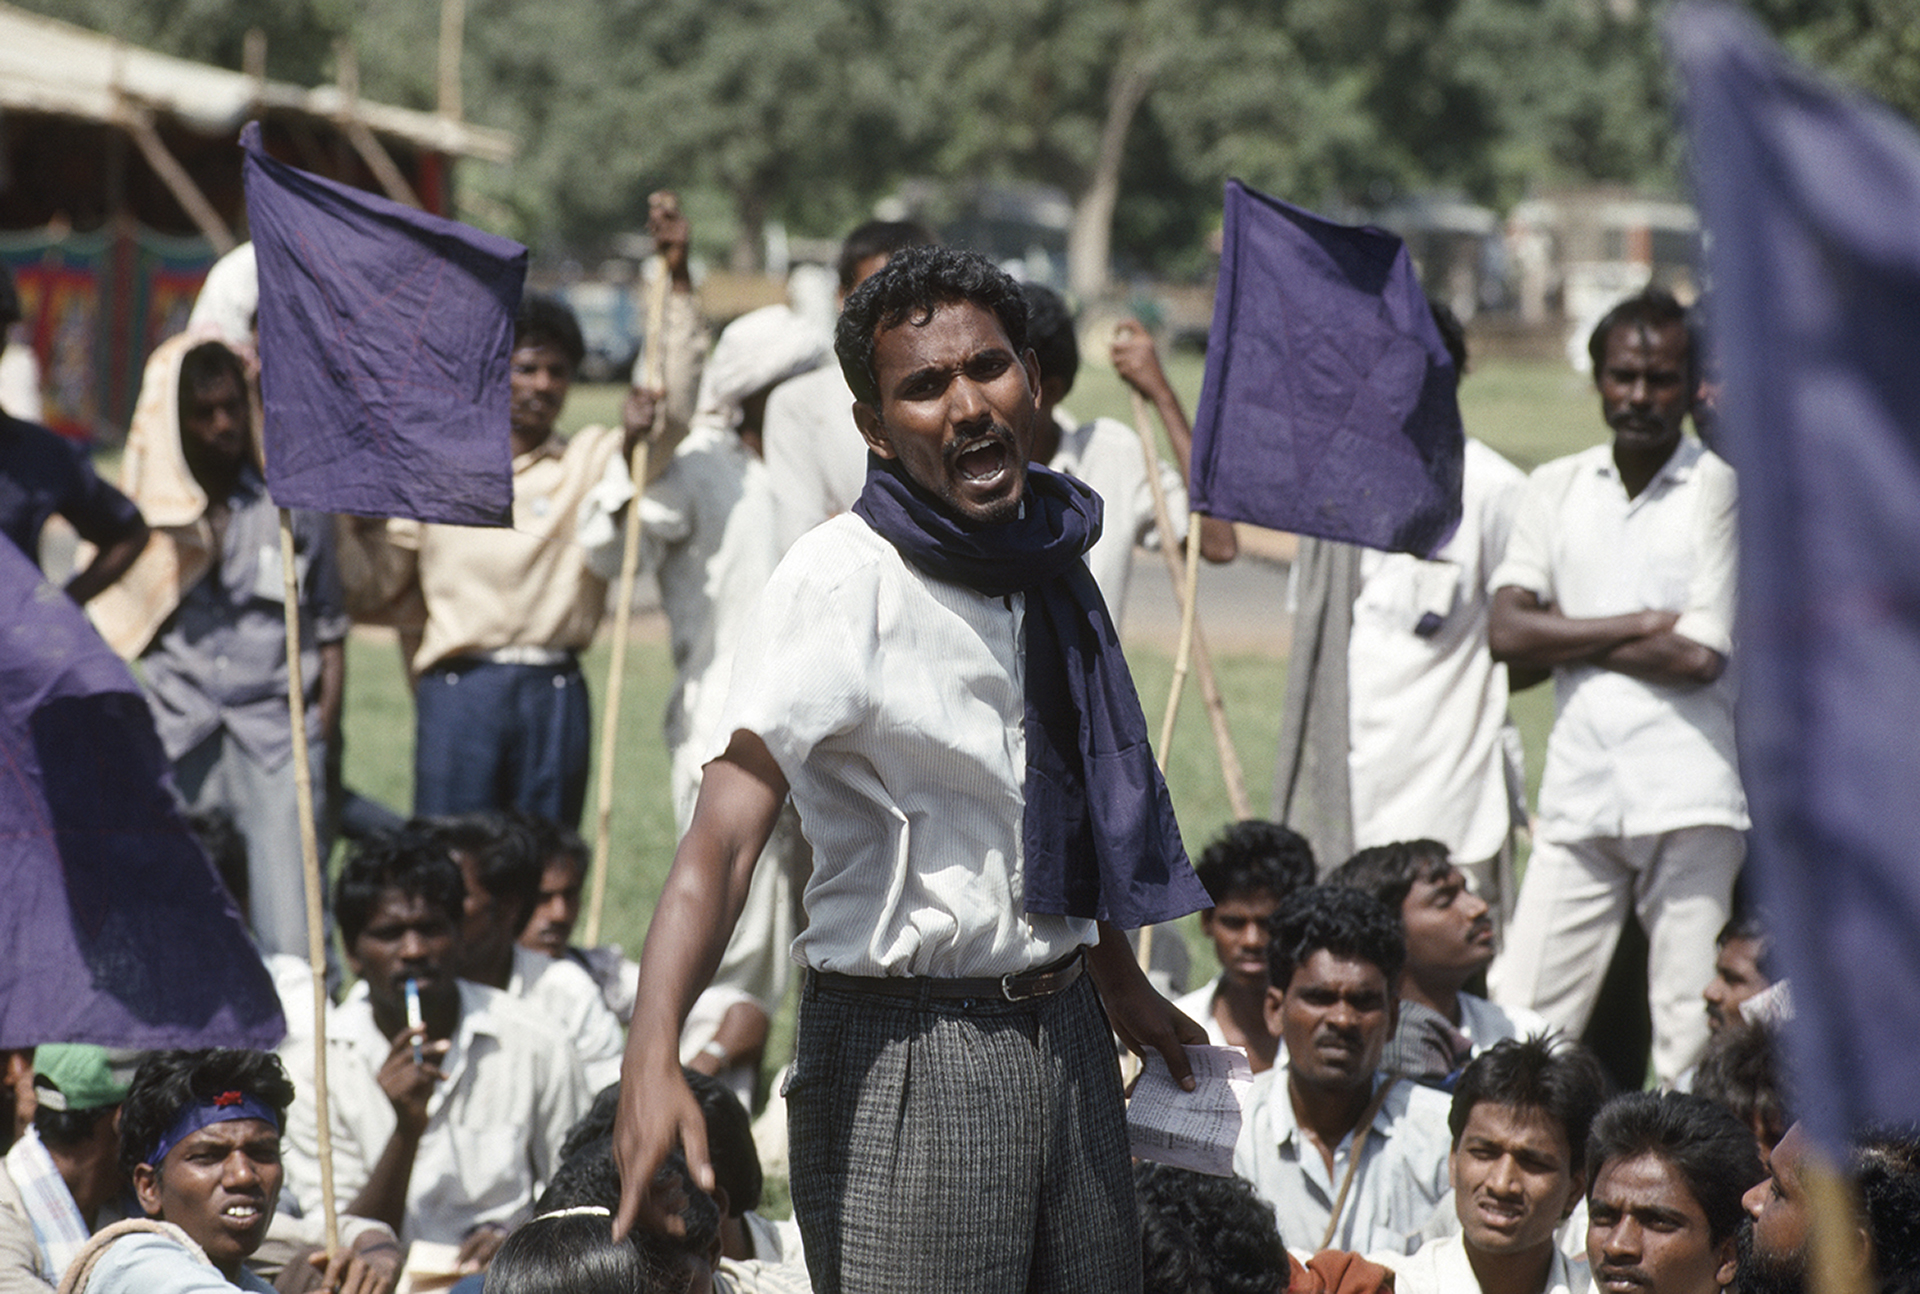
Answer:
[(1019, 986)]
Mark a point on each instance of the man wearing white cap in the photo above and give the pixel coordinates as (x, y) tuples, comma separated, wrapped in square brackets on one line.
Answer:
[(708, 536)]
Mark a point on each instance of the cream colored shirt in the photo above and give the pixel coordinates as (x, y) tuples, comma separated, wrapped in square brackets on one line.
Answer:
[(495, 1124), (816, 460), (895, 707)]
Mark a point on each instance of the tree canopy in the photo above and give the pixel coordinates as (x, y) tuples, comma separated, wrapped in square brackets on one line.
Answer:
[(807, 111)]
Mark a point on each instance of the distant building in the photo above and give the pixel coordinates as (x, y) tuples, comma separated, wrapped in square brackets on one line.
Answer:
[(120, 184)]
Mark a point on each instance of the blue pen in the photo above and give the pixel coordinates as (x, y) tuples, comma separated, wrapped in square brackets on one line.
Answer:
[(414, 1018)]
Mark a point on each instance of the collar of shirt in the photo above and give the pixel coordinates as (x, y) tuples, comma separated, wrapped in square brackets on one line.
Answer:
[(58, 1227), (1287, 1126), (354, 1026), (1678, 467)]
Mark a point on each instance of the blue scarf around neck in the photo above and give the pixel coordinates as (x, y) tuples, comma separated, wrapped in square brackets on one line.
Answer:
[(1098, 828)]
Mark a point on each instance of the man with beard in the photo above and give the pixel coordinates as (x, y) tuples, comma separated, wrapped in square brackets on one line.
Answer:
[(935, 679), (1884, 1164), (1663, 1211), (1520, 1117), (1619, 578), (1349, 1157), (449, 1100)]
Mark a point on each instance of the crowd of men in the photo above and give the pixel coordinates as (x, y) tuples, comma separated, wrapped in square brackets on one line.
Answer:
[(908, 759)]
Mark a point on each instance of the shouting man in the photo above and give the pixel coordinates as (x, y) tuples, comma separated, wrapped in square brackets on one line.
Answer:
[(936, 681)]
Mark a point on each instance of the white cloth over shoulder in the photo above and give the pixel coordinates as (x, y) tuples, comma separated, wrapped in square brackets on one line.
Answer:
[(895, 707), (815, 456), (567, 997), (1106, 455)]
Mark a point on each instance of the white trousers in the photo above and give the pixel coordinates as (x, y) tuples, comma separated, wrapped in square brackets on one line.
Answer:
[(1573, 903)]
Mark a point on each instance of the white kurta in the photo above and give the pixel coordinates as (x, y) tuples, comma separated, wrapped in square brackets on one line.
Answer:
[(1427, 756)]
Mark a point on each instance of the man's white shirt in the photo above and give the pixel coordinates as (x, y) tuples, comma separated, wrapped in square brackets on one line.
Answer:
[(568, 998), (1402, 1175), (495, 1123), (1627, 757), (1441, 1267), (895, 706)]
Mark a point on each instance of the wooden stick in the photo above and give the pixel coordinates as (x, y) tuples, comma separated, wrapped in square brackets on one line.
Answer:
[(1230, 770), (1185, 654), (310, 865), (653, 367)]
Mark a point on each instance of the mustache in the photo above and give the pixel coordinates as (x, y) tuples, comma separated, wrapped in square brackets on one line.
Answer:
[(997, 432)]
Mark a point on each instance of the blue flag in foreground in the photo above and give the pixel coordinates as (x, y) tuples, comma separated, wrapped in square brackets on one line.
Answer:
[(1811, 196), (1328, 406), (116, 928), (384, 339)]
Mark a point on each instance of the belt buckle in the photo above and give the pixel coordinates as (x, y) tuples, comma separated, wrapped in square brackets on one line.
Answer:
[(1007, 989)]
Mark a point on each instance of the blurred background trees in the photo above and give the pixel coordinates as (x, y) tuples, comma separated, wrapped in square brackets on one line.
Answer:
[(804, 113)]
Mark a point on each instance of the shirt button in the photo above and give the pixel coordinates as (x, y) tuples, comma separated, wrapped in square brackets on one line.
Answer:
[(559, 682), (219, 662)]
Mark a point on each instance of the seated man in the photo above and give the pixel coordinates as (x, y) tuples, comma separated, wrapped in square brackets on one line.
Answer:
[(200, 1141), (556, 910), (500, 862), (445, 1122), (1248, 869), (1449, 940), (1741, 971), (1663, 1207), (1325, 1128), (1520, 1117), (63, 1169), (1741, 1071), (1884, 1164), (1201, 1234)]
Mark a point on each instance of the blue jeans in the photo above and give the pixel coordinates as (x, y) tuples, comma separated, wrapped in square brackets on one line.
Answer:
[(490, 736)]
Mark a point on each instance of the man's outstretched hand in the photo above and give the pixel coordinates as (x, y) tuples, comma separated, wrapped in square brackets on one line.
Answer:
[(655, 1115)]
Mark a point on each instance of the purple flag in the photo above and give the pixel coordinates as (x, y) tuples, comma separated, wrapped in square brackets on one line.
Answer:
[(1810, 196), (116, 928), (384, 338), (1328, 405)]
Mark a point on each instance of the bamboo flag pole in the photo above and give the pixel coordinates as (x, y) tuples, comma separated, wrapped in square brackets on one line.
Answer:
[(1230, 770), (1183, 657), (310, 865), (652, 372)]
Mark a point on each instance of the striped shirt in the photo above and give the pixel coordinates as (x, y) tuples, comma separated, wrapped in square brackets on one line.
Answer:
[(58, 1227)]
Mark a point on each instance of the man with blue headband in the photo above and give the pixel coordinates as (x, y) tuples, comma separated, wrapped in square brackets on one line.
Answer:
[(200, 1141), (935, 679)]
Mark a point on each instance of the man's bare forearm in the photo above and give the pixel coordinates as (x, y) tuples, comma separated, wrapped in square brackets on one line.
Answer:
[(1522, 631), (1665, 657), (108, 565)]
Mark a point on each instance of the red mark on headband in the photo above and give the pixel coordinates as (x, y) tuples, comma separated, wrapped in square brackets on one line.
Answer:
[(228, 1098)]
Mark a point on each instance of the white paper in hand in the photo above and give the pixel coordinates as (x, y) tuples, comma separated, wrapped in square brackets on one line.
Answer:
[(1194, 1129)]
